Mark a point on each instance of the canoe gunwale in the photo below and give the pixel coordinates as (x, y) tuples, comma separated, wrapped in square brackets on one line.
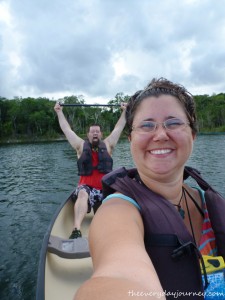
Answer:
[(40, 290)]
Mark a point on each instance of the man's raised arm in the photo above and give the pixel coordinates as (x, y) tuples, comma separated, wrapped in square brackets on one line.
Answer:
[(114, 136), (75, 141)]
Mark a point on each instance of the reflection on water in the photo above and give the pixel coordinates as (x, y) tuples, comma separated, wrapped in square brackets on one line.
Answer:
[(36, 178)]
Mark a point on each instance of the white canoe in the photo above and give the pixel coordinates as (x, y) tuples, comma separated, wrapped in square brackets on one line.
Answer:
[(64, 264)]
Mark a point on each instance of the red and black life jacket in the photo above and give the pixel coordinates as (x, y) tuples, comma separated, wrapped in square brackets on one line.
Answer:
[(84, 163), (167, 240)]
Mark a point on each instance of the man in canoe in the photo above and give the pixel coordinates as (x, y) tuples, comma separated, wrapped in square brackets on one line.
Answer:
[(94, 161)]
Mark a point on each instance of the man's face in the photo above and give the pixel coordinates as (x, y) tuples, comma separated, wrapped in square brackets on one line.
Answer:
[(94, 135)]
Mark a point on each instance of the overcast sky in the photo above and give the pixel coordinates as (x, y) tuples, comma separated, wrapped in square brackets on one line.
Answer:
[(98, 48)]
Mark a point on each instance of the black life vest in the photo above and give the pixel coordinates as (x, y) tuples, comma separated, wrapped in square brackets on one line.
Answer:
[(84, 163), (167, 240)]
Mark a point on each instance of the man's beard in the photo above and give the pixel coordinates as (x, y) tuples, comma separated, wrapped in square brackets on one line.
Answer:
[(95, 142)]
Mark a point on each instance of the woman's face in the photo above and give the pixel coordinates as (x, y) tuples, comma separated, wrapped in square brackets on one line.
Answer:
[(161, 153)]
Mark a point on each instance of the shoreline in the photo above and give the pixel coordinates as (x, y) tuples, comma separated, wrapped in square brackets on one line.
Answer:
[(62, 139), (33, 141)]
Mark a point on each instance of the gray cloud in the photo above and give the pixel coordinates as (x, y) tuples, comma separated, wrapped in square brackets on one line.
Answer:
[(76, 47)]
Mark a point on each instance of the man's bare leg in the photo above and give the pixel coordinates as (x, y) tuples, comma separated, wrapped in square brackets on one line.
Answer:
[(80, 208)]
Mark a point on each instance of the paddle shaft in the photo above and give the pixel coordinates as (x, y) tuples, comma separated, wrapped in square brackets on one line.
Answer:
[(80, 104)]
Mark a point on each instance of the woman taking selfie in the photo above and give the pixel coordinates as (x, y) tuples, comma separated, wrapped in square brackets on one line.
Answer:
[(154, 230)]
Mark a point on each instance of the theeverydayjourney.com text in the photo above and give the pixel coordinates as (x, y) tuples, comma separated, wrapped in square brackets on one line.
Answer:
[(176, 295)]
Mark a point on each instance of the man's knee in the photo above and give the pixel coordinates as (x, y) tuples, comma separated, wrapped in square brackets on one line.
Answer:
[(82, 196)]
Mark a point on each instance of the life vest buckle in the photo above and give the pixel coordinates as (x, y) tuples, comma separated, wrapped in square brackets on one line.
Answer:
[(185, 249)]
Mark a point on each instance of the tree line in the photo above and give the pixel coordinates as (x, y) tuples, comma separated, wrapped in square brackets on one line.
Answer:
[(30, 119)]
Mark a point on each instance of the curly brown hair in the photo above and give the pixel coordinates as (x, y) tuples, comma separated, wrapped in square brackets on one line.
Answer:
[(156, 88)]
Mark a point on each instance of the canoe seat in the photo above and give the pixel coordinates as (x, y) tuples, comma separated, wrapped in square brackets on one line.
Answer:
[(76, 248)]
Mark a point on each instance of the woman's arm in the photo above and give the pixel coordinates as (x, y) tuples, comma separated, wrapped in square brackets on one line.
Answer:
[(122, 268)]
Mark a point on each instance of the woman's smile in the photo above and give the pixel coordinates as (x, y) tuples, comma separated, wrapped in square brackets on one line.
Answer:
[(160, 151)]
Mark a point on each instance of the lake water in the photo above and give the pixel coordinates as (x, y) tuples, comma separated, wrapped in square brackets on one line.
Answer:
[(36, 178)]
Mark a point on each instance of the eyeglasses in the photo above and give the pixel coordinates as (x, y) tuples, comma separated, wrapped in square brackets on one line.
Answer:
[(170, 125)]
